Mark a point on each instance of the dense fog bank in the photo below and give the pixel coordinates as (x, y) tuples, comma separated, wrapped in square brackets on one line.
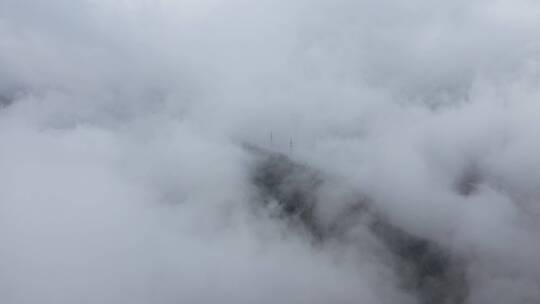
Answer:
[(150, 150)]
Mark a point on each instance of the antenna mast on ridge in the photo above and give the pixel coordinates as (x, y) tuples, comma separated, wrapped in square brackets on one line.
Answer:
[(290, 146)]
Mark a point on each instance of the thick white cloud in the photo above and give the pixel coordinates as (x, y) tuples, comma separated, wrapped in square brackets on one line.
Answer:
[(122, 176)]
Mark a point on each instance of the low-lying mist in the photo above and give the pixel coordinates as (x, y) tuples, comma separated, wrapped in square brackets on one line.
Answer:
[(269, 151)]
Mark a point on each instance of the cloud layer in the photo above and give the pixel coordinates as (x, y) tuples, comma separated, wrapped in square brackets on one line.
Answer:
[(122, 172)]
